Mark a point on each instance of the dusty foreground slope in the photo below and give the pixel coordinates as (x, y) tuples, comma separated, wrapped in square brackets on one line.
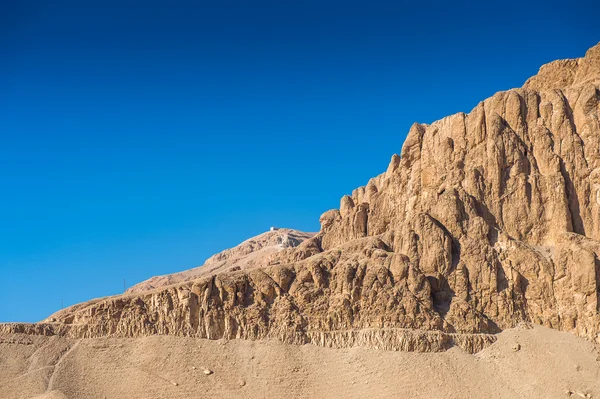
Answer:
[(533, 363)]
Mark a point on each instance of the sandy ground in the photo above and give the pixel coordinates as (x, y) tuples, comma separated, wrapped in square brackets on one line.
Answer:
[(533, 363)]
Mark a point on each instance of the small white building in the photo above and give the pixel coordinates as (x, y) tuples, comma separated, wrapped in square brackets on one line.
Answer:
[(274, 228)]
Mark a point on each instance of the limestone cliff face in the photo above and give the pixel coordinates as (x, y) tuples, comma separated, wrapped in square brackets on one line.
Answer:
[(499, 208), (338, 298), (485, 220)]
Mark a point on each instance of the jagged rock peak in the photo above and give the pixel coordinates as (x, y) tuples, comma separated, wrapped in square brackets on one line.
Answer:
[(498, 208), (561, 74)]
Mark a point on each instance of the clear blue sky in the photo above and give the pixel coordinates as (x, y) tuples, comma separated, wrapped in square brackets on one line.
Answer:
[(140, 138)]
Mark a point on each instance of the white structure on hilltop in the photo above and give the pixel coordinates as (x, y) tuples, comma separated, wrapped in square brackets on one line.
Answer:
[(273, 228)]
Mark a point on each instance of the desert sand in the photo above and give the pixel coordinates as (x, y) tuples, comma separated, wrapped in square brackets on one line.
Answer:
[(523, 363)]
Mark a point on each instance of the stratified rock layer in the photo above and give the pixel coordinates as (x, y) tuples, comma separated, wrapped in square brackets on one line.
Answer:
[(486, 220)]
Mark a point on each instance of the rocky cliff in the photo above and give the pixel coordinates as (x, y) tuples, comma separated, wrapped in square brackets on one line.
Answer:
[(498, 208), (486, 220)]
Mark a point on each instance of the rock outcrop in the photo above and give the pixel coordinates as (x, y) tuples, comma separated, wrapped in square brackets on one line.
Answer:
[(486, 220), (498, 208)]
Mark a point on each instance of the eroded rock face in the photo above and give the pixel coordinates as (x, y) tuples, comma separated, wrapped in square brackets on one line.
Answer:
[(486, 220), (357, 294), (499, 208)]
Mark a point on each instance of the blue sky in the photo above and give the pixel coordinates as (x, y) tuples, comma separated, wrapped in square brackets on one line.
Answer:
[(139, 138)]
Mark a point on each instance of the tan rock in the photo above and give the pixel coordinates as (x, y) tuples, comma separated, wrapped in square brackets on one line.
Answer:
[(486, 221)]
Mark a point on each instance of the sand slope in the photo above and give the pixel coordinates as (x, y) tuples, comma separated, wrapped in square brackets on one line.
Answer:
[(524, 363)]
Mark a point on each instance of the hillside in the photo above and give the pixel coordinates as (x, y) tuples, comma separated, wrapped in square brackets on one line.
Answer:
[(485, 222)]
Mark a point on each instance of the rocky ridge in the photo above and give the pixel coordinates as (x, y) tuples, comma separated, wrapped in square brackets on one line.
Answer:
[(485, 221), (255, 252)]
